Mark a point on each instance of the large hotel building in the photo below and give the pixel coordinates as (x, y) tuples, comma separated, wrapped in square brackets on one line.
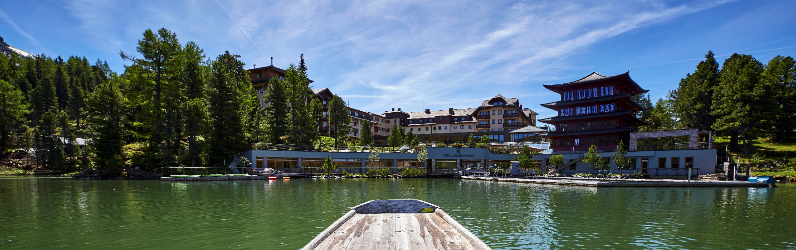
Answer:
[(500, 118), (594, 110)]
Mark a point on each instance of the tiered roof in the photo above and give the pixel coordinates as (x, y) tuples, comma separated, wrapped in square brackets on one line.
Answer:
[(595, 77)]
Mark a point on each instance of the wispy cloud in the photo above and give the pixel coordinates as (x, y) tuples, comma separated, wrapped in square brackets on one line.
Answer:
[(383, 54), (19, 30)]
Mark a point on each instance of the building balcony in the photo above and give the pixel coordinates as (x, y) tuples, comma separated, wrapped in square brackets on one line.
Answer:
[(511, 115), (482, 126), (514, 125), (486, 117)]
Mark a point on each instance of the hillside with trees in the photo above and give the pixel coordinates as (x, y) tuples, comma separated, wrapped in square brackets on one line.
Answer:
[(173, 106)]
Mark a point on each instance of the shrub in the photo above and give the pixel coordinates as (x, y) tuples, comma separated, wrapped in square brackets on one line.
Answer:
[(377, 172), (413, 172)]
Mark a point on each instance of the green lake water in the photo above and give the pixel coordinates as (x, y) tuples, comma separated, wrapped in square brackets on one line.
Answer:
[(48, 213)]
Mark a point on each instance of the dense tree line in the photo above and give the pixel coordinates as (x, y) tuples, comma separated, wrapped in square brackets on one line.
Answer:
[(743, 99), (172, 106)]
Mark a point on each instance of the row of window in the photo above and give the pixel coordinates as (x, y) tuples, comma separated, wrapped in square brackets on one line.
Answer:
[(587, 93), (602, 108), (587, 141), (441, 127), (578, 126), (430, 120), (500, 129), (499, 112)]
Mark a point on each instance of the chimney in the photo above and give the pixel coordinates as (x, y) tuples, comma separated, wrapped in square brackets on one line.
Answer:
[(272, 61), (393, 109), (399, 109), (428, 111), (450, 110)]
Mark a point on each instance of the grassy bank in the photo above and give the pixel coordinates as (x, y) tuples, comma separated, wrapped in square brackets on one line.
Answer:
[(791, 174)]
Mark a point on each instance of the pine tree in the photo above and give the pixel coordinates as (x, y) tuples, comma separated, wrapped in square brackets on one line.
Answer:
[(402, 136), (525, 158), (484, 143), (12, 112), (780, 75), (394, 139), (43, 98), (155, 77), (106, 109), (316, 113), (276, 112), (299, 97), (366, 137), (660, 117), (742, 104), (61, 87), (76, 103), (341, 122), (196, 125), (646, 105), (231, 102), (692, 100), (471, 143)]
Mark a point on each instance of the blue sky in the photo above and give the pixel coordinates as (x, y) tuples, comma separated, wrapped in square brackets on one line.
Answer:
[(425, 54)]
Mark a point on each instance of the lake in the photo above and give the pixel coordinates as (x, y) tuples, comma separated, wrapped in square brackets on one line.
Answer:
[(46, 213)]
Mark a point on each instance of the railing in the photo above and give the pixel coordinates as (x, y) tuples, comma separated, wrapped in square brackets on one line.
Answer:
[(204, 171), (482, 126), (511, 114), (514, 125), (482, 117), (672, 146), (671, 171)]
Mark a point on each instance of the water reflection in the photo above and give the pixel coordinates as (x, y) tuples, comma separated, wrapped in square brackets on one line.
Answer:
[(287, 214)]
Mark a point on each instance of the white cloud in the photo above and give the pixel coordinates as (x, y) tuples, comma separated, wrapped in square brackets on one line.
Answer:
[(382, 54), (19, 30)]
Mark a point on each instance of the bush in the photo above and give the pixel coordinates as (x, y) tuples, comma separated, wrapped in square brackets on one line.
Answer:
[(441, 145), (457, 145), (413, 172), (498, 151), (377, 172)]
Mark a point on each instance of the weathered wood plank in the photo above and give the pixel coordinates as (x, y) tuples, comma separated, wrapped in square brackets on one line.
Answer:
[(396, 230)]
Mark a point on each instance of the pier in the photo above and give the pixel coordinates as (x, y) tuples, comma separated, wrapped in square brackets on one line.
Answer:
[(595, 182), (396, 224)]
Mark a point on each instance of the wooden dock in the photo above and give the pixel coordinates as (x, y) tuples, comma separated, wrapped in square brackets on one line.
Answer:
[(594, 182), (396, 224)]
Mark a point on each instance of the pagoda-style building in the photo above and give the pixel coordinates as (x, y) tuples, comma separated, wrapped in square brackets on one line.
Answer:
[(594, 110)]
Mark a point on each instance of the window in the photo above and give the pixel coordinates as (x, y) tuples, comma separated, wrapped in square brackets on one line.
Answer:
[(500, 129), (471, 126), (689, 162), (426, 128), (440, 127), (454, 127), (446, 127), (675, 162), (259, 75), (324, 102), (493, 121), (577, 142), (462, 127), (411, 129), (493, 129), (324, 113), (662, 162), (493, 112), (500, 112)]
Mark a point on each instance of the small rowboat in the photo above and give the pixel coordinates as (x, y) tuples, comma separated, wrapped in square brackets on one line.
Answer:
[(273, 177), (396, 224)]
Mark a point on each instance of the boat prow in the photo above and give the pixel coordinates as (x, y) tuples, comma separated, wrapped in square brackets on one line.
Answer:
[(396, 224)]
